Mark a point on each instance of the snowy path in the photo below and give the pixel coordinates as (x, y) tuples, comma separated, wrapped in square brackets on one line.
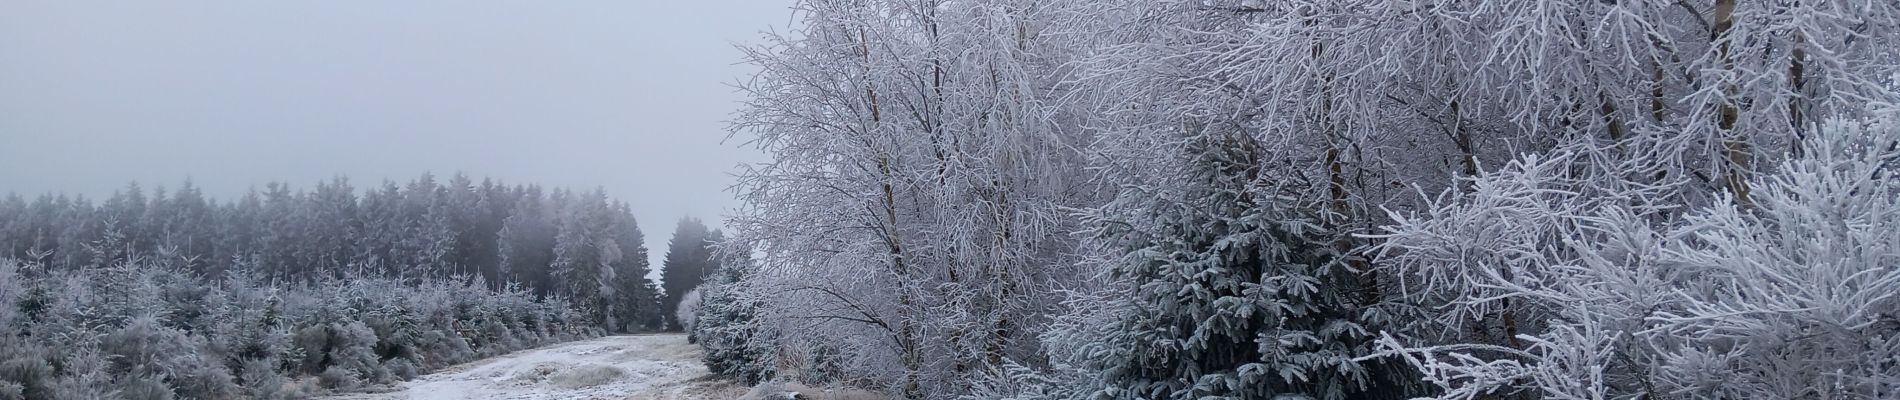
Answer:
[(660, 367)]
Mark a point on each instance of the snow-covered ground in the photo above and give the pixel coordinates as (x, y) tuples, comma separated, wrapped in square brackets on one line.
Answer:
[(661, 367)]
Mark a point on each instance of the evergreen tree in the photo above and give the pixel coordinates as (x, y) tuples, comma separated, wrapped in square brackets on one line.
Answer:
[(15, 227), (1228, 290), (281, 234), (188, 227), (600, 264), (580, 247), (332, 226), (483, 235), (636, 302), (688, 261), (527, 241), (381, 210), (126, 210), (728, 327)]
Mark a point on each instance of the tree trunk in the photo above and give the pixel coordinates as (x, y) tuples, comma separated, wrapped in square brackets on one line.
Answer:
[(1797, 70), (1735, 145)]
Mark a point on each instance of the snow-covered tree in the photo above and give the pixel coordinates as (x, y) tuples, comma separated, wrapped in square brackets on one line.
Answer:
[(585, 253), (527, 241), (727, 326), (686, 313), (420, 230), (1221, 285), (149, 328), (924, 162), (1788, 295)]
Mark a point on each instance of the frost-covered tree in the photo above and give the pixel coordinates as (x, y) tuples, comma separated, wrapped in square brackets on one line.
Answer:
[(585, 252), (737, 343), (147, 327), (1221, 285), (527, 241), (418, 230), (1788, 295), (689, 260), (328, 215), (685, 313), (923, 164), (600, 262)]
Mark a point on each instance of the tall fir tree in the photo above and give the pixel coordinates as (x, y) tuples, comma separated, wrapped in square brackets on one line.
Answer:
[(527, 241), (636, 301), (600, 263), (688, 262)]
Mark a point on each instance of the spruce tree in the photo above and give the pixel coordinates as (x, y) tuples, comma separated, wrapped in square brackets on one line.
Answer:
[(736, 345), (584, 256), (527, 242), (637, 302), (1231, 289), (688, 258)]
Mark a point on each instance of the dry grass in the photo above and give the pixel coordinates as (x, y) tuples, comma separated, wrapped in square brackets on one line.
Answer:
[(592, 375), (785, 391)]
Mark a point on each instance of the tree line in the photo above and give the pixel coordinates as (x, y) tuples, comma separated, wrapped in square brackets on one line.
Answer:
[(582, 246), (1319, 199), (131, 325), (173, 294)]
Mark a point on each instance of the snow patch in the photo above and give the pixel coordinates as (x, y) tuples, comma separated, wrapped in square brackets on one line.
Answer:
[(617, 367)]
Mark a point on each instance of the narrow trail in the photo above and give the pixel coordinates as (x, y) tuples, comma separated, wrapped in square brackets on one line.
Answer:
[(659, 367)]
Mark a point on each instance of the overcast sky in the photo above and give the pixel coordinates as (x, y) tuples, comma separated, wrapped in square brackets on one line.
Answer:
[(628, 95)]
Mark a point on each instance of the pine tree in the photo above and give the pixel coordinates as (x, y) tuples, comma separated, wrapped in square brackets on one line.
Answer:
[(688, 261), (600, 263), (736, 343), (527, 241), (1229, 290), (637, 301), (582, 254)]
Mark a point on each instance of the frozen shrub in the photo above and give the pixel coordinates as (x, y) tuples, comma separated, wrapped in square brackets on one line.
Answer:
[(353, 348), (241, 342), (501, 340), (687, 311), (83, 375), (444, 348), (31, 374), (264, 383), (196, 375), (137, 346), (822, 364), (395, 333), (186, 301), (145, 388), (336, 377), (143, 347), (401, 368), (311, 344), (12, 391)]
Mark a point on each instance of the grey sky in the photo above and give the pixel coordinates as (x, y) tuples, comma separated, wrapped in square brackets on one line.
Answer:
[(628, 95)]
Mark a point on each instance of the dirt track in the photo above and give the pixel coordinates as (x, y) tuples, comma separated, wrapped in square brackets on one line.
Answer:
[(660, 367)]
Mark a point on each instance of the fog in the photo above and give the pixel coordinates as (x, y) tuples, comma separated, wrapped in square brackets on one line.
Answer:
[(624, 95)]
